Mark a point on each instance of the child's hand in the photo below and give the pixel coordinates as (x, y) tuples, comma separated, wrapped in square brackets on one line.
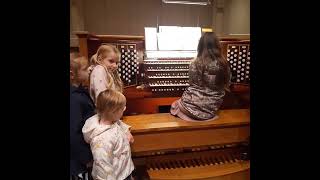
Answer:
[(130, 137)]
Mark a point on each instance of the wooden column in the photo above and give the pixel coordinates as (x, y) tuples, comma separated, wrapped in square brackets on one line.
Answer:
[(83, 43), (218, 17)]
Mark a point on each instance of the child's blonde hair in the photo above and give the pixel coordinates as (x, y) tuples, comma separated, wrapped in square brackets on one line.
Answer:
[(75, 65), (109, 102), (103, 52)]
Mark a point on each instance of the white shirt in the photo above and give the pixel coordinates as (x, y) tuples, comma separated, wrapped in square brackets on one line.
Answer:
[(98, 82), (110, 149)]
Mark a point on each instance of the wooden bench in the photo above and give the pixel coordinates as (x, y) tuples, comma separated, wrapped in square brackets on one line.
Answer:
[(164, 132)]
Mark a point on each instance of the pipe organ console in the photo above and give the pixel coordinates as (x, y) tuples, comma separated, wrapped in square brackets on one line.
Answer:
[(157, 78), (166, 147)]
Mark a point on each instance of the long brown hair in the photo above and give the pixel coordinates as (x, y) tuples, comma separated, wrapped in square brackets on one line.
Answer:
[(209, 49), (102, 52)]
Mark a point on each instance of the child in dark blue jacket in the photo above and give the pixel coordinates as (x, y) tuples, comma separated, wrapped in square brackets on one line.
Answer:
[(81, 108)]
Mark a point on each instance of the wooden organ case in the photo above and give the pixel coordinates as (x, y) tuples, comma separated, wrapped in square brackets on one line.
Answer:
[(166, 147)]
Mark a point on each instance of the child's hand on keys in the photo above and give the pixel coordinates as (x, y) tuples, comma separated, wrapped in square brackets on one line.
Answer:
[(130, 137)]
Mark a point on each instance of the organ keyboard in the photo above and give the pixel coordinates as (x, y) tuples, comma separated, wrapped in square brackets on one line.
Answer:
[(167, 72)]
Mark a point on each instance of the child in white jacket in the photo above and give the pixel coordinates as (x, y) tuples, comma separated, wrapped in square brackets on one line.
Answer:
[(108, 138)]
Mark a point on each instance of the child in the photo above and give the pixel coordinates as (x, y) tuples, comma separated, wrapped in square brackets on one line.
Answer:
[(81, 108), (104, 74), (108, 140), (209, 77)]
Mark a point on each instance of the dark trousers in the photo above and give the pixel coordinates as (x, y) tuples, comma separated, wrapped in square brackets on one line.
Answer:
[(83, 176), (87, 176)]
